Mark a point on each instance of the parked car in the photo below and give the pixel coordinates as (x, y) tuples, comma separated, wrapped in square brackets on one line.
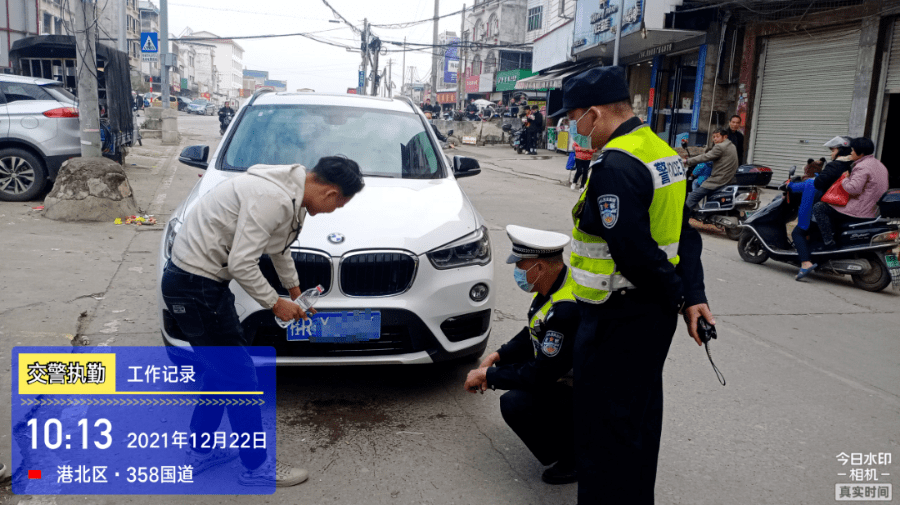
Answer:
[(173, 102), (410, 252), (183, 103), (38, 132), (202, 106)]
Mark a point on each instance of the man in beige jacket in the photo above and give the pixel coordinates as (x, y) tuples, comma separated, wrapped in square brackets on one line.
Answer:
[(222, 238), (725, 164)]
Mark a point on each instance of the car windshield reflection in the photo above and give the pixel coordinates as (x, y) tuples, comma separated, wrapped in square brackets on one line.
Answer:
[(384, 143)]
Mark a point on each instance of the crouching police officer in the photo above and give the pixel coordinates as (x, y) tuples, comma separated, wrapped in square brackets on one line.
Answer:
[(636, 265), (531, 365)]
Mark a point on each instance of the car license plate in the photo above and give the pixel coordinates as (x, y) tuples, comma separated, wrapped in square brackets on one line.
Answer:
[(894, 267), (344, 327)]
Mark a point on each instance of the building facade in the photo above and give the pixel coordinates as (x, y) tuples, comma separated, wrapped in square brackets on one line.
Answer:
[(228, 60), (21, 20), (495, 40)]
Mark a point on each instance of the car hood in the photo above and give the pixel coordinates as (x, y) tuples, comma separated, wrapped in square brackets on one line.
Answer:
[(415, 215), (411, 214)]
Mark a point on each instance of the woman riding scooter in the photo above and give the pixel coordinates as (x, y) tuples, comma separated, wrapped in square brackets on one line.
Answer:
[(812, 191)]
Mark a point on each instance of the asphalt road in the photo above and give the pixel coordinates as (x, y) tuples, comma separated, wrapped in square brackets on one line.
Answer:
[(813, 368)]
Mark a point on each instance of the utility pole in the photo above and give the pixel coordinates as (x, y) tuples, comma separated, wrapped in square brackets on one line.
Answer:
[(618, 34), (164, 50), (123, 26), (460, 85), (377, 50), (434, 50), (88, 108), (403, 78), (365, 55), (389, 82)]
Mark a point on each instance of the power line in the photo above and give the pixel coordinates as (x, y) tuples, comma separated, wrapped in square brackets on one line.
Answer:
[(342, 18), (431, 19)]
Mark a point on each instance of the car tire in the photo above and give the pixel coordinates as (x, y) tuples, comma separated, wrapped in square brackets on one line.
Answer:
[(22, 175)]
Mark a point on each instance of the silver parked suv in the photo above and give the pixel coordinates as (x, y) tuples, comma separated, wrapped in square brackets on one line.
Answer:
[(38, 132)]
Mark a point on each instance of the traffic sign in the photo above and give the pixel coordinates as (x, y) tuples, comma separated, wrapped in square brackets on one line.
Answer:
[(362, 78), (149, 42)]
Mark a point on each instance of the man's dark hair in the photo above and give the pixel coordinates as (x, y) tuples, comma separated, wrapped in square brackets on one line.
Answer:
[(527, 107), (339, 171), (862, 146), (734, 116), (723, 132)]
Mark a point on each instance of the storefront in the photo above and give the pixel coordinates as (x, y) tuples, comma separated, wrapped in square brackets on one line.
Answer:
[(803, 99), (446, 98), (889, 121), (472, 84), (506, 82)]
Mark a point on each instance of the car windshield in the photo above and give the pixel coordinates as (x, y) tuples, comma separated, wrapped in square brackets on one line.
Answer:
[(61, 94), (384, 143), (199, 102)]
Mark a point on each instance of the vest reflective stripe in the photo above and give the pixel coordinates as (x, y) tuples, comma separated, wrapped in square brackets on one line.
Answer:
[(562, 294), (600, 250), (593, 268)]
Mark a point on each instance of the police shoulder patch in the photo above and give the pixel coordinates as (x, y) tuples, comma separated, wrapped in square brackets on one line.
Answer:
[(609, 210), (552, 343)]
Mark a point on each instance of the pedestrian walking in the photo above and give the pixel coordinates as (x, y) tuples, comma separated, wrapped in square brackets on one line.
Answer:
[(222, 238), (533, 364), (636, 265)]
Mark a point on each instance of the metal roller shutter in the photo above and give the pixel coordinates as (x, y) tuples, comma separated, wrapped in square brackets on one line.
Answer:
[(893, 74), (807, 89)]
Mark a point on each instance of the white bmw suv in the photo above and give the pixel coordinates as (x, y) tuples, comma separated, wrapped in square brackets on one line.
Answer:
[(406, 266)]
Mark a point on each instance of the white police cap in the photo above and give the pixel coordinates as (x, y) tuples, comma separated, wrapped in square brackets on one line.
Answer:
[(528, 243)]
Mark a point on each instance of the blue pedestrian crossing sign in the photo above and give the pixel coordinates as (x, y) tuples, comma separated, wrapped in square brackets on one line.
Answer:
[(149, 42)]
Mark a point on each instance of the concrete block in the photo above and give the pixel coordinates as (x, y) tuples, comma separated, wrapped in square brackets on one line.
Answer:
[(90, 189)]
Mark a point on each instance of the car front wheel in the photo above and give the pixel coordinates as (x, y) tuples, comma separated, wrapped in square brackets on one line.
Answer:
[(22, 175)]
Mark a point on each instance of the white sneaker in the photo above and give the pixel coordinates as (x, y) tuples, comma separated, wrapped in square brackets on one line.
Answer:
[(203, 462), (572, 187), (581, 191), (284, 475)]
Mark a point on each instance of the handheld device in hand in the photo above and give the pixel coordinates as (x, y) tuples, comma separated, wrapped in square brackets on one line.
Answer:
[(707, 332)]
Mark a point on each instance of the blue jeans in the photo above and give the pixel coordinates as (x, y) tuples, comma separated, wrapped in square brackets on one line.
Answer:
[(204, 311), (696, 195), (800, 243)]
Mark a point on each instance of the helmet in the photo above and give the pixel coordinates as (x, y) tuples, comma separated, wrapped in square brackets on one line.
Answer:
[(842, 144)]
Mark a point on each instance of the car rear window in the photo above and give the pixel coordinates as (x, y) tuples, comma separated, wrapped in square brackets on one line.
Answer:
[(61, 94), (384, 143), (17, 91)]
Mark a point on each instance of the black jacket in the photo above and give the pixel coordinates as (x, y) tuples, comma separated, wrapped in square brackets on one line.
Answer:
[(518, 368), (637, 255), (737, 138), (537, 124), (225, 110), (830, 173)]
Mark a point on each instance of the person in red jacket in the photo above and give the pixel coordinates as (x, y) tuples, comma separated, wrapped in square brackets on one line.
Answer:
[(582, 164)]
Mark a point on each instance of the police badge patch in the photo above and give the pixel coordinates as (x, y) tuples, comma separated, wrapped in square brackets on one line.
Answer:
[(609, 210), (552, 343)]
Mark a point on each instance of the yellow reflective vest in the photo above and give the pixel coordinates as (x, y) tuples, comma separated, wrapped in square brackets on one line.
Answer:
[(593, 268), (564, 293)]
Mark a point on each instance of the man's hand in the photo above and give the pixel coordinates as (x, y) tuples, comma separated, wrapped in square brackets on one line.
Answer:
[(490, 360), (476, 382), (289, 311), (692, 314), (295, 292)]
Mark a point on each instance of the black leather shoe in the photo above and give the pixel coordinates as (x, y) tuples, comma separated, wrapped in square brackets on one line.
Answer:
[(560, 473)]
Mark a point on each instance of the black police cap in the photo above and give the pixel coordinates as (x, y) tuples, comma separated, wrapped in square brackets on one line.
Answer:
[(596, 86)]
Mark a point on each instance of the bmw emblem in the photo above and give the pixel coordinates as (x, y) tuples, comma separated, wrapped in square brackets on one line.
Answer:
[(336, 238)]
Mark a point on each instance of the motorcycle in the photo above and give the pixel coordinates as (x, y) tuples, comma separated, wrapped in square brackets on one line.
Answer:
[(226, 120), (516, 137), (728, 206), (864, 250)]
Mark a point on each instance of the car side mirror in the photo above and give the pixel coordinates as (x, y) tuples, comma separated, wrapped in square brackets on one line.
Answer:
[(465, 167), (195, 156), (791, 173)]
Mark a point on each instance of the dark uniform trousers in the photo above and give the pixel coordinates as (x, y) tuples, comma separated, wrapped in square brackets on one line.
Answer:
[(619, 403), (542, 418)]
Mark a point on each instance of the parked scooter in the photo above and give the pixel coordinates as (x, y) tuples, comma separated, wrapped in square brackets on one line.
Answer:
[(728, 206), (226, 120), (864, 250), (516, 137)]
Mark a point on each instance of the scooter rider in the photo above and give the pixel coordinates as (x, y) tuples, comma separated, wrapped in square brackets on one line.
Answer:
[(831, 172), (223, 112), (725, 164)]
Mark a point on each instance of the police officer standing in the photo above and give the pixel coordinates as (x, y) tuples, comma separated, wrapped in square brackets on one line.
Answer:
[(537, 405), (636, 265)]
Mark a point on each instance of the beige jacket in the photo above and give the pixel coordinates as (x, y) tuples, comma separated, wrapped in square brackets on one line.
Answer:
[(725, 164), (241, 219)]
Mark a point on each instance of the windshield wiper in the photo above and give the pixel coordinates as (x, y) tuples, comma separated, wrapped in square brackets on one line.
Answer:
[(379, 175)]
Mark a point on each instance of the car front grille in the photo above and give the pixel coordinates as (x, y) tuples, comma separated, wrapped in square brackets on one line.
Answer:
[(314, 269), (377, 273)]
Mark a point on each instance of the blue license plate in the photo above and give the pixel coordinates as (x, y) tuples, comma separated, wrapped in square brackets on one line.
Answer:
[(344, 327)]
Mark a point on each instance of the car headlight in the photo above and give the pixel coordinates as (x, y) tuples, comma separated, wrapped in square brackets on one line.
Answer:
[(171, 231), (473, 249)]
